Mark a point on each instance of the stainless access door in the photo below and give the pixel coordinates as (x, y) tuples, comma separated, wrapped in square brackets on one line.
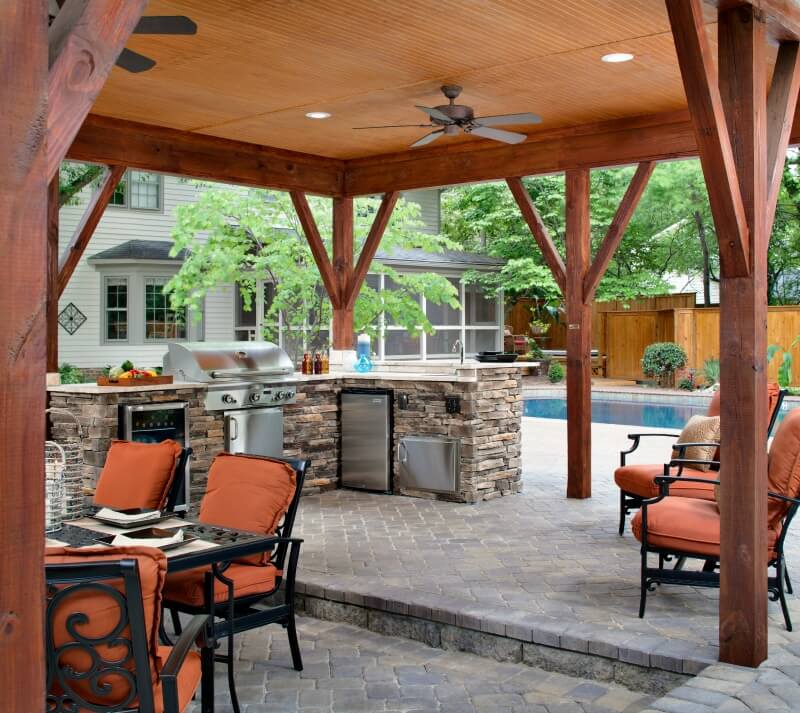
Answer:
[(366, 439), (430, 463), (257, 431)]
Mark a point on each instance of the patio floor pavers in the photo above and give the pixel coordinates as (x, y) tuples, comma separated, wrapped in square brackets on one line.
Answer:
[(348, 669), (536, 566)]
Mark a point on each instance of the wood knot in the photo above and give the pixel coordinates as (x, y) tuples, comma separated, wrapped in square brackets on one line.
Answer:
[(82, 69), (9, 622)]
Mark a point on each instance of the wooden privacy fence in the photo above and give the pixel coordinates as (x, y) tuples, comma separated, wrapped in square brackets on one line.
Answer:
[(622, 330)]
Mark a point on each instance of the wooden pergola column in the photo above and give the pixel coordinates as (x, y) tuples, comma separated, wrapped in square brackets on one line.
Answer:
[(53, 203), (742, 138), (343, 238)]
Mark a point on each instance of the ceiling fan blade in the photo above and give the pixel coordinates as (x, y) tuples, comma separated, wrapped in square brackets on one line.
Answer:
[(508, 119), (507, 137), (428, 138), (134, 62), (165, 25), (395, 126), (435, 113)]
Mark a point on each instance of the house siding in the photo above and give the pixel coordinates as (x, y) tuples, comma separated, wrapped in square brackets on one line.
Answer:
[(86, 347)]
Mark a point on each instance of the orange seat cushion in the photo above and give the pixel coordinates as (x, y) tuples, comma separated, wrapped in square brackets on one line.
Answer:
[(639, 479), (783, 472), (188, 679), (137, 475), (187, 587), (686, 525), (249, 493)]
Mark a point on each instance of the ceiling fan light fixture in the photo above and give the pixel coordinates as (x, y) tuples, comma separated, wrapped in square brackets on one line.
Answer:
[(318, 115), (617, 57)]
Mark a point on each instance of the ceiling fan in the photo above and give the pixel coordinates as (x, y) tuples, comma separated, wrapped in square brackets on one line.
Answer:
[(150, 25), (453, 118)]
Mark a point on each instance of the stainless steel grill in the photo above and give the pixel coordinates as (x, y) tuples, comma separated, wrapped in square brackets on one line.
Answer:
[(239, 374)]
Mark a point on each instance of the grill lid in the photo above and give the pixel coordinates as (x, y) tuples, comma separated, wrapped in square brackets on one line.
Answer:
[(216, 361)]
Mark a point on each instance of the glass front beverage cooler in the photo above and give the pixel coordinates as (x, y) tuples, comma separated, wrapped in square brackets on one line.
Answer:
[(153, 423)]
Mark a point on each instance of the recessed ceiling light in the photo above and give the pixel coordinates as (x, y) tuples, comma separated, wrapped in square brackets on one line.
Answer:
[(616, 57), (318, 115)]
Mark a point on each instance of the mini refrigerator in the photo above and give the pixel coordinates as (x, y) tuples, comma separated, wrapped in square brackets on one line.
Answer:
[(366, 448)]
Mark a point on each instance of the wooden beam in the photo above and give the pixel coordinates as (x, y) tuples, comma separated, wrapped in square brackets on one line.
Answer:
[(711, 130), (85, 229), (370, 246), (182, 153), (743, 347), (53, 205), (539, 231), (343, 270), (781, 107), (782, 17), (616, 230), (579, 337), (85, 40), (318, 250), (23, 270)]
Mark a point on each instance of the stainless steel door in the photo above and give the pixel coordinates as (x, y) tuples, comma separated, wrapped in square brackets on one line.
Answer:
[(257, 431), (366, 438), (430, 463)]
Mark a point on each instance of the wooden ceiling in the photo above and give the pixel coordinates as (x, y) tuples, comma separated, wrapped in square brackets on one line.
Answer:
[(255, 68)]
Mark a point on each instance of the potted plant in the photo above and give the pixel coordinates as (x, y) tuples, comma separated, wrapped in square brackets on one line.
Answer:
[(661, 360)]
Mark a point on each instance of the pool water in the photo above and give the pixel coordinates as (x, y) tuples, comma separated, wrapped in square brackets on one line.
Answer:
[(630, 413)]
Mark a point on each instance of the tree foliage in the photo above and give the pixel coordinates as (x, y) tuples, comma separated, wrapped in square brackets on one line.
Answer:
[(246, 236), (73, 178)]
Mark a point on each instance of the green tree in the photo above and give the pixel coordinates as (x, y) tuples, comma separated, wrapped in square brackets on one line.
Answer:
[(244, 236), (73, 178)]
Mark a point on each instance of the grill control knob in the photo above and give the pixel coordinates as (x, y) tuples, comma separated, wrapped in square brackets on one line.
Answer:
[(283, 395), (228, 399), (255, 397)]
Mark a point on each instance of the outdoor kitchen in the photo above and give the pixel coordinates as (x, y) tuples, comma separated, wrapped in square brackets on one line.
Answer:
[(444, 430)]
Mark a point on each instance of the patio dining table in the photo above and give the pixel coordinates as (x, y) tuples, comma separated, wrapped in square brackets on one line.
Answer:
[(211, 545)]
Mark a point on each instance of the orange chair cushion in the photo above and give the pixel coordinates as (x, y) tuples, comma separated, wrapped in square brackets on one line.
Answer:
[(104, 613), (187, 587), (686, 525), (249, 493), (188, 679), (639, 479), (137, 475), (783, 472)]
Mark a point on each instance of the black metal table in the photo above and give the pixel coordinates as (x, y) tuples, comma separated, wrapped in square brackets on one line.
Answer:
[(228, 544)]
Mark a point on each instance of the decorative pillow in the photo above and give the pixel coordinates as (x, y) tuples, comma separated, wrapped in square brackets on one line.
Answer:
[(700, 429), (249, 493), (137, 475)]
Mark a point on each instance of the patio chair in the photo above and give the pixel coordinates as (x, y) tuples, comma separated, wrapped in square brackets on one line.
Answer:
[(143, 475), (637, 481), (256, 494), (689, 528), (102, 650)]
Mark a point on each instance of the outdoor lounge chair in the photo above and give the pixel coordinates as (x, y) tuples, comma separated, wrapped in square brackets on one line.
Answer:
[(143, 475), (102, 649), (689, 528), (256, 494), (637, 481)]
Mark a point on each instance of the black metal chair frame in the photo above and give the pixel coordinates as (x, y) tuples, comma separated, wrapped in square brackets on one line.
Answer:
[(238, 614), (777, 586), (65, 580), (629, 502)]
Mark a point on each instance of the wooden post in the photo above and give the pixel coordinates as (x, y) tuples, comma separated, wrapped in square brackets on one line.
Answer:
[(343, 272), (53, 204), (579, 337), (743, 348), (23, 274)]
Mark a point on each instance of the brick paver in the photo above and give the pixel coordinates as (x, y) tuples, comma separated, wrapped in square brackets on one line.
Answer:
[(349, 670)]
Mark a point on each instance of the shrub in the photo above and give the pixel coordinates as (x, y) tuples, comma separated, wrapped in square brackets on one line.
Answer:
[(661, 360), (70, 374), (687, 383), (534, 350), (555, 373), (711, 371)]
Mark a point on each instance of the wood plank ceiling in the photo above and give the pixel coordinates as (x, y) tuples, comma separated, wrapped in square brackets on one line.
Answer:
[(255, 68)]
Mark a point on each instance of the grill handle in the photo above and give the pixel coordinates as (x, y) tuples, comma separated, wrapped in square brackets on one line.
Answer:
[(216, 374)]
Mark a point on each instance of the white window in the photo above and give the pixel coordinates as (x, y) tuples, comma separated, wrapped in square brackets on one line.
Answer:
[(115, 299), (161, 322), (139, 190)]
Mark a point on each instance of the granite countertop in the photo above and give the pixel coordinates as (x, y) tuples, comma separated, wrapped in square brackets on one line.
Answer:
[(402, 371)]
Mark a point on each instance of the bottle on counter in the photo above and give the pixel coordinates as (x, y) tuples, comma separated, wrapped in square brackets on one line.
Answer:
[(308, 367), (317, 363), (326, 363)]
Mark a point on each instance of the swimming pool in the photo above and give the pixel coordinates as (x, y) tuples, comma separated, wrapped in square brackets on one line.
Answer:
[(651, 414)]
